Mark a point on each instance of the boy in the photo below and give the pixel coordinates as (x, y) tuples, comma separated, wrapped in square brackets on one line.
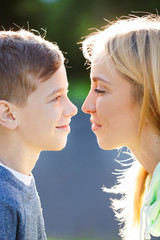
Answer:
[(35, 113)]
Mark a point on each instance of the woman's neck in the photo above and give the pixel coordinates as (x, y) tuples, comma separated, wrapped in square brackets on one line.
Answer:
[(148, 150)]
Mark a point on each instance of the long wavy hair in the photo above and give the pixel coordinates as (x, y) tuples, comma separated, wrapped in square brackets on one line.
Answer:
[(132, 45)]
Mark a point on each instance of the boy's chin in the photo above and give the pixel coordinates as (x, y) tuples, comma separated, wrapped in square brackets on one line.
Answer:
[(57, 147)]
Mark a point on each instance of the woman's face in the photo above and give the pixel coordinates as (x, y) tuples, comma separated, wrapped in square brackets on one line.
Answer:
[(114, 113)]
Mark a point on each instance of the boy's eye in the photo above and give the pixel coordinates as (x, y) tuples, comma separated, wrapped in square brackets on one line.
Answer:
[(99, 91), (59, 96), (56, 98)]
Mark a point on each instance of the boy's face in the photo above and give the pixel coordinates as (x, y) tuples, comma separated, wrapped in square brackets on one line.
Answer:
[(44, 120)]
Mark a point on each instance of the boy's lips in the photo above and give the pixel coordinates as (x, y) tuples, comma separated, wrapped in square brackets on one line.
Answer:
[(95, 125), (65, 127)]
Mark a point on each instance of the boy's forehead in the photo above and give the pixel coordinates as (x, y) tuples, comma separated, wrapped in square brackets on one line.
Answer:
[(58, 82), (57, 90)]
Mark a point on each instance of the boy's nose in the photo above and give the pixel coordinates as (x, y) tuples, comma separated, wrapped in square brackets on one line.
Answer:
[(71, 110), (75, 110)]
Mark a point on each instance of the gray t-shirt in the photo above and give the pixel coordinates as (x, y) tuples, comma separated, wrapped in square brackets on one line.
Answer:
[(21, 215)]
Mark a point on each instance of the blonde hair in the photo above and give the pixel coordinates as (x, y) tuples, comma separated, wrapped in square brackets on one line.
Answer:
[(133, 47)]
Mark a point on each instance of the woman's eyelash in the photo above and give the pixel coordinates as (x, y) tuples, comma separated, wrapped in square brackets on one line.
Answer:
[(99, 91)]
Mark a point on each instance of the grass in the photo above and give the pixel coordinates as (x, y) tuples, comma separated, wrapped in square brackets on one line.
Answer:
[(70, 239), (83, 238)]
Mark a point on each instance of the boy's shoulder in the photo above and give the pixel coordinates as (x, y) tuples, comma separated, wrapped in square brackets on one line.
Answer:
[(20, 209), (11, 192)]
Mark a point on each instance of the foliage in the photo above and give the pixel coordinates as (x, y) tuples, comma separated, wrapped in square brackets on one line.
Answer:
[(67, 21)]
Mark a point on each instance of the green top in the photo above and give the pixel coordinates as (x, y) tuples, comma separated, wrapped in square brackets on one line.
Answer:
[(150, 213)]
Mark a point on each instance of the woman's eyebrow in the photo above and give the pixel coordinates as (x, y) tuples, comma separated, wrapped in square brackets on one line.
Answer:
[(99, 79)]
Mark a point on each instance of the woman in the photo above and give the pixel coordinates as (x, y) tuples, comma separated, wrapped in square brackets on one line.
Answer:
[(124, 104)]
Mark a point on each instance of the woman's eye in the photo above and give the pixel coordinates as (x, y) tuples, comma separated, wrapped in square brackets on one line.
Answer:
[(99, 91)]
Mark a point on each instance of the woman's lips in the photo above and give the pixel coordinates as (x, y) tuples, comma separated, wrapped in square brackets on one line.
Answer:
[(95, 126)]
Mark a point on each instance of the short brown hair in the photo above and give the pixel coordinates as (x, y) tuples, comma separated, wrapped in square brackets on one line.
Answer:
[(25, 56)]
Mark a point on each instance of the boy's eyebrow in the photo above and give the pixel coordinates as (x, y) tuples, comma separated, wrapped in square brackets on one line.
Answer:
[(96, 79), (56, 91)]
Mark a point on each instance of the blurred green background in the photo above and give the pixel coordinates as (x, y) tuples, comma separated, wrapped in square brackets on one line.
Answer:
[(66, 22)]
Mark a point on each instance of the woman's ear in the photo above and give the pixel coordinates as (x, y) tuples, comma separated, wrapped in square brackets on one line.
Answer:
[(7, 116)]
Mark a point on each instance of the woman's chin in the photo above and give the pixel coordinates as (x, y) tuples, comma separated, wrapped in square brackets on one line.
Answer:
[(105, 145), (101, 144)]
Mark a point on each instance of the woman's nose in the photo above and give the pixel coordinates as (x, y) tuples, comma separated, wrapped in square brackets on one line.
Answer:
[(89, 105)]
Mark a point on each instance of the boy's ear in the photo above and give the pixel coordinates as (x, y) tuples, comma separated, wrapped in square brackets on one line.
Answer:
[(7, 118)]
